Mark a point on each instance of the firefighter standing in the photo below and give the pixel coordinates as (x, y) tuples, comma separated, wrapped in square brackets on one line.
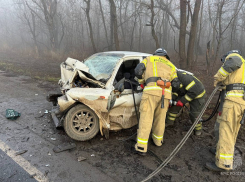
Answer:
[(232, 75), (187, 88), (149, 71)]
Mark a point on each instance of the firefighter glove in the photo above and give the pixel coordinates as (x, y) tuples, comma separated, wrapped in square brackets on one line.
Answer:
[(179, 103)]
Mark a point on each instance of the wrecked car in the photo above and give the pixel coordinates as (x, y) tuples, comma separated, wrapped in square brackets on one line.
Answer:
[(97, 94)]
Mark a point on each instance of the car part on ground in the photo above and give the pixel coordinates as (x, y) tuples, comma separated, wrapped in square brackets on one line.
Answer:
[(12, 114), (64, 146)]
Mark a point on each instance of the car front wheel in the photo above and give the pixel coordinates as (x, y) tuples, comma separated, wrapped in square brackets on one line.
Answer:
[(81, 123)]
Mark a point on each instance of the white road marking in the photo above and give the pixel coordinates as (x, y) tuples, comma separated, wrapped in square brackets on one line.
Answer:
[(23, 163)]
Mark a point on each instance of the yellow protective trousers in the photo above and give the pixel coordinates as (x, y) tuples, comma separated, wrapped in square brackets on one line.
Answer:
[(152, 116), (229, 121)]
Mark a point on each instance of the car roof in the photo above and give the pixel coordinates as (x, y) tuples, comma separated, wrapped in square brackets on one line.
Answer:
[(128, 53)]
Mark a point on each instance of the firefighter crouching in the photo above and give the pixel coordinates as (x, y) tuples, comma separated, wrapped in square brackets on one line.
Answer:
[(187, 88), (155, 100), (232, 75)]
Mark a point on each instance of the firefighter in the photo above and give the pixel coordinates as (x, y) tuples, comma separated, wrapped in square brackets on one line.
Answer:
[(232, 75), (187, 88), (154, 103)]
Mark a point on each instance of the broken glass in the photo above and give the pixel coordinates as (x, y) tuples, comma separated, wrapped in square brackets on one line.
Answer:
[(101, 65)]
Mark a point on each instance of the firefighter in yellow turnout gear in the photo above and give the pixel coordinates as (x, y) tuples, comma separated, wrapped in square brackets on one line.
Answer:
[(152, 116), (187, 88), (232, 75)]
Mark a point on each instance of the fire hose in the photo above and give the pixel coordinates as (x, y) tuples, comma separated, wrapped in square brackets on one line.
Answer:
[(179, 146), (216, 107)]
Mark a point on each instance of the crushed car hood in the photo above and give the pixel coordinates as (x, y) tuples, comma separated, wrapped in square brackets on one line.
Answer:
[(72, 68)]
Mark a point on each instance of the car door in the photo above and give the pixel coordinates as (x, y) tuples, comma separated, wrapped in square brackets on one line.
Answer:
[(125, 98)]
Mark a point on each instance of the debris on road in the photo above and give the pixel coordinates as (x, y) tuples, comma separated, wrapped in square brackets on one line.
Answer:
[(12, 114), (25, 139), (20, 152), (79, 159), (64, 146), (46, 173)]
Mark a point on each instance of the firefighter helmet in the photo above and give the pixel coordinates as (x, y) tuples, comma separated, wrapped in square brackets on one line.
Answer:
[(175, 85), (161, 52), (230, 52)]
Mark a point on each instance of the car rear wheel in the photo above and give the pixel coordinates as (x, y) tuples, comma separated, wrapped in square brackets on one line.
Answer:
[(81, 123)]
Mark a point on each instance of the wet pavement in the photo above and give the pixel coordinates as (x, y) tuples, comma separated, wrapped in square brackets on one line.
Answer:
[(11, 171)]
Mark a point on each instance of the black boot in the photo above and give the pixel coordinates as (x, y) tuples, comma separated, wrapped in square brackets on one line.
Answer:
[(137, 152), (212, 167), (212, 150)]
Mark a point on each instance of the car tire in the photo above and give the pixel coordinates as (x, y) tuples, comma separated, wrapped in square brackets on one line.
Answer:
[(81, 123)]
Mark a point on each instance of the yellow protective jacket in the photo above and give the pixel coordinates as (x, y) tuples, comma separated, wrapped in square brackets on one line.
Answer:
[(232, 71), (157, 66)]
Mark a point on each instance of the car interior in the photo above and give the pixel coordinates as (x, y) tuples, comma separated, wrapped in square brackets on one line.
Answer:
[(126, 71)]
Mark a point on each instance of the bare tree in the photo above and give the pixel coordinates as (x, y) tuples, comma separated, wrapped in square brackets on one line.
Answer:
[(152, 24), (87, 10), (182, 34), (29, 18), (104, 23), (193, 33), (222, 29), (114, 27), (49, 8), (68, 26)]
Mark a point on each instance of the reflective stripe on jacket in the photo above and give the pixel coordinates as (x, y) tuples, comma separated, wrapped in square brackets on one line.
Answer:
[(190, 88), (232, 71), (158, 66)]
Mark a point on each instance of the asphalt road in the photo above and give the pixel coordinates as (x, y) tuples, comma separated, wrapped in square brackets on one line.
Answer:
[(11, 171), (34, 132)]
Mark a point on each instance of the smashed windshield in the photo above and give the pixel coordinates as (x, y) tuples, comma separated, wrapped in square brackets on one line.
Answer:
[(101, 65)]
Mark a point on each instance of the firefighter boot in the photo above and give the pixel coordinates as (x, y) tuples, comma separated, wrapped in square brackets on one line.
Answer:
[(212, 150), (133, 150), (198, 129), (169, 123), (212, 167)]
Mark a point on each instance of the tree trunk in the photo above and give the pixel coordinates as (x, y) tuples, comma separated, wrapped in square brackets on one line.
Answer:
[(153, 25), (134, 25), (193, 33), (198, 49), (234, 27), (89, 24), (103, 20), (220, 32), (182, 33), (113, 13), (32, 27), (121, 18), (50, 13)]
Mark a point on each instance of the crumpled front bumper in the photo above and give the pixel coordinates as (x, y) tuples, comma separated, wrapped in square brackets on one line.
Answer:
[(54, 112)]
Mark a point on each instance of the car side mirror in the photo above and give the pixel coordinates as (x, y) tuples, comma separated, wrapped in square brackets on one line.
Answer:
[(120, 85)]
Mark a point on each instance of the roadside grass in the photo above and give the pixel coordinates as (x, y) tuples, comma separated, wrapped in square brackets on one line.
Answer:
[(14, 68)]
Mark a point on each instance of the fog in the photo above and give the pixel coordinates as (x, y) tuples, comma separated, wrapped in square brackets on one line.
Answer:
[(191, 30)]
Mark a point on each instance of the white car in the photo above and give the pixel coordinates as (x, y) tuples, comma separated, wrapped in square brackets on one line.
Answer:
[(97, 94)]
